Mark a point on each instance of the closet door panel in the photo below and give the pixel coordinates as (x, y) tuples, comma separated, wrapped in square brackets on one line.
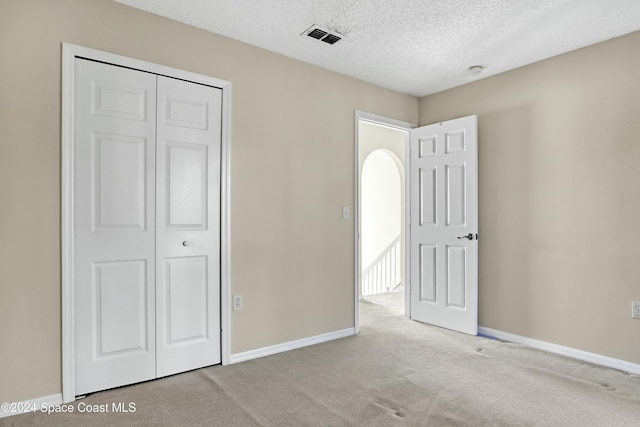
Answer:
[(188, 226), (114, 226)]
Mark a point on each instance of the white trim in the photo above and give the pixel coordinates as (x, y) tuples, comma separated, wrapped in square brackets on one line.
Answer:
[(406, 127), (33, 405), (356, 226), (291, 345), (562, 350), (69, 53), (382, 120), (407, 225), (225, 227), (67, 221)]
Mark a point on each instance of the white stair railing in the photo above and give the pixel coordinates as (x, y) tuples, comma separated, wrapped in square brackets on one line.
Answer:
[(384, 273)]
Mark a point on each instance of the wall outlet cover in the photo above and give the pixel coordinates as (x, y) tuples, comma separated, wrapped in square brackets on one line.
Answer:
[(635, 310), (345, 212), (237, 302)]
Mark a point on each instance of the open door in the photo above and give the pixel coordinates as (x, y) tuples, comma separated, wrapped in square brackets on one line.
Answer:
[(444, 224)]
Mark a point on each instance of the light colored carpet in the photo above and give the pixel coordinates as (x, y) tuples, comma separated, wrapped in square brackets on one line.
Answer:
[(396, 372)]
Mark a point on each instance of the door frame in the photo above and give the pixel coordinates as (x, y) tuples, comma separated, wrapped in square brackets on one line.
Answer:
[(69, 53), (362, 116)]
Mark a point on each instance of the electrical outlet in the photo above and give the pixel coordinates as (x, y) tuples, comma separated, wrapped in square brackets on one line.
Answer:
[(635, 310), (237, 302)]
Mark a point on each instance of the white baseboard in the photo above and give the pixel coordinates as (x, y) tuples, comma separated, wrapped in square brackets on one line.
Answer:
[(559, 349), (37, 404), (291, 345)]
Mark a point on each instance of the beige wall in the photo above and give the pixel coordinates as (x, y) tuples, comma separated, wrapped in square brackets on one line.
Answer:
[(559, 182), (292, 169)]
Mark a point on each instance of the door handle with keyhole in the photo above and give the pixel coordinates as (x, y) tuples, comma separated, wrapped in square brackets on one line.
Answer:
[(468, 236), (186, 243)]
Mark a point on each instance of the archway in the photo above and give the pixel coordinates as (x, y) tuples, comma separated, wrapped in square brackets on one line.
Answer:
[(381, 222)]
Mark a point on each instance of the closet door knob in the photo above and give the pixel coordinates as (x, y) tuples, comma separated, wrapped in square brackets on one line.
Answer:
[(186, 243)]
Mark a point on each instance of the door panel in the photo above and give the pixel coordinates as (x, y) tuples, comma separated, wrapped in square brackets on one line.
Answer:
[(456, 198), (443, 177), (119, 100), (428, 273), (187, 180), (186, 296), (114, 226), (427, 197), (456, 280), (188, 250), (120, 307), (119, 166), (186, 112)]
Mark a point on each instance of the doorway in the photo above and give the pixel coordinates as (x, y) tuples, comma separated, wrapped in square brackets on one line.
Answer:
[(155, 231), (381, 221), (441, 198), (381, 146)]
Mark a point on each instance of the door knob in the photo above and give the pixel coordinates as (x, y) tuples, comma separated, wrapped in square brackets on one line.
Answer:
[(468, 236), (186, 243)]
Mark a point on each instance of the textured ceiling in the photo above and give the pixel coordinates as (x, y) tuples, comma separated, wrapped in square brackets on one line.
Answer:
[(411, 46)]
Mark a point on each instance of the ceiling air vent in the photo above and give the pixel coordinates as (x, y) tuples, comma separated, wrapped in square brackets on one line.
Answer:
[(322, 34)]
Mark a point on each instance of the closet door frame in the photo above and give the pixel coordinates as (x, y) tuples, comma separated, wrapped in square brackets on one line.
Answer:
[(69, 54)]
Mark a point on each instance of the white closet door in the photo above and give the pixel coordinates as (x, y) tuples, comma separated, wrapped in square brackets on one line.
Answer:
[(188, 226), (114, 227)]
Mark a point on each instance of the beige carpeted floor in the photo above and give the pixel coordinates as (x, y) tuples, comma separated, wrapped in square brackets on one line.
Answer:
[(396, 372)]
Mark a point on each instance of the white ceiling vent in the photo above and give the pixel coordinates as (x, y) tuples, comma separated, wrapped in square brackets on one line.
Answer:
[(324, 35)]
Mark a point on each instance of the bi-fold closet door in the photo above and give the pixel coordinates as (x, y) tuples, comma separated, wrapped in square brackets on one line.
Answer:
[(146, 225)]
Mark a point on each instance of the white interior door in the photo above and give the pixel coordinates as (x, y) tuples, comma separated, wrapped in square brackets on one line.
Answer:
[(188, 225), (444, 224), (146, 226), (114, 227)]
